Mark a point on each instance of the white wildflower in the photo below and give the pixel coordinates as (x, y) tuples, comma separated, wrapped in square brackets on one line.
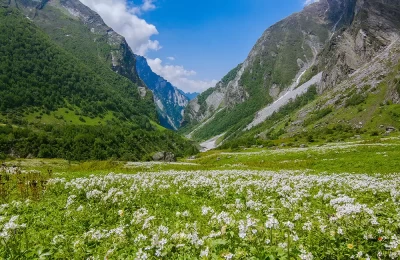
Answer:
[(205, 252), (283, 245), (289, 224), (307, 226), (272, 222), (70, 200), (305, 255), (228, 256)]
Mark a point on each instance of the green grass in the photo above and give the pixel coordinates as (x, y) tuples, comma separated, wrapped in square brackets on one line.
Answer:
[(372, 112), (87, 211), (66, 116), (367, 157), (373, 155), (157, 126)]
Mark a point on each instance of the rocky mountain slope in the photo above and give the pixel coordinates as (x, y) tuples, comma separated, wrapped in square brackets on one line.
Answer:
[(322, 47), (170, 101), (69, 88)]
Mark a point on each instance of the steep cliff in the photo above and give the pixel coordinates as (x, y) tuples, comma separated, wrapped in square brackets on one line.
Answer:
[(321, 46)]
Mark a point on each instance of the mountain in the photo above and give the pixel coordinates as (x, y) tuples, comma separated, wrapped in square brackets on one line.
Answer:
[(78, 35), (170, 100), (83, 33), (69, 88), (190, 95), (327, 68)]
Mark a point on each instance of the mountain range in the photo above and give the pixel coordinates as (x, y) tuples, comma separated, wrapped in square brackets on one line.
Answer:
[(329, 71), (69, 87)]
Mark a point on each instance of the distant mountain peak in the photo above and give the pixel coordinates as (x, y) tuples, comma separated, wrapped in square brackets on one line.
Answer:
[(170, 100), (189, 95)]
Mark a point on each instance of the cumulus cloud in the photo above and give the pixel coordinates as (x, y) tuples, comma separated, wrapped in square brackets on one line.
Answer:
[(179, 76), (124, 18), (308, 2), (125, 21)]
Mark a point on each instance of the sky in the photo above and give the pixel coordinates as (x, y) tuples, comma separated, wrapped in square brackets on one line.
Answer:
[(193, 44)]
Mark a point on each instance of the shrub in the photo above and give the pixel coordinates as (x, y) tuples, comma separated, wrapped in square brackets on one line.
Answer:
[(355, 100), (374, 133)]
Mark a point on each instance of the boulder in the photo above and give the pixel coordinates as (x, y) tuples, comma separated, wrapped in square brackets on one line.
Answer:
[(164, 157), (159, 156), (169, 157), (390, 129)]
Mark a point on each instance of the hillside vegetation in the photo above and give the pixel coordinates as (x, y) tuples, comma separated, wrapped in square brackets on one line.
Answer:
[(45, 92), (34, 72)]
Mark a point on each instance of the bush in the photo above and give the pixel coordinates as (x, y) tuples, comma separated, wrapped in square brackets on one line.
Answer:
[(355, 100), (375, 133)]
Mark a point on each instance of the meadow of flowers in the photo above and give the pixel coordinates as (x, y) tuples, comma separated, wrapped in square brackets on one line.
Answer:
[(233, 214)]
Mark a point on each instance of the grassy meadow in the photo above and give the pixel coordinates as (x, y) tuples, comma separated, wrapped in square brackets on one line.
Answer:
[(323, 201)]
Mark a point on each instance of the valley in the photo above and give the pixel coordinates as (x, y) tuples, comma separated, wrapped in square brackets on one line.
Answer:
[(109, 152)]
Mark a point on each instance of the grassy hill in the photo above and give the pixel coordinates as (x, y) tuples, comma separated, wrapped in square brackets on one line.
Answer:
[(57, 103)]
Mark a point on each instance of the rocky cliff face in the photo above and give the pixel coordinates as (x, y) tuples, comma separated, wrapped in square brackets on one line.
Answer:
[(323, 45), (373, 25), (169, 100)]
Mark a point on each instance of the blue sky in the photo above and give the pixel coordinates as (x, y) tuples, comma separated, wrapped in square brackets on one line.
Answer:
[(193, 44)]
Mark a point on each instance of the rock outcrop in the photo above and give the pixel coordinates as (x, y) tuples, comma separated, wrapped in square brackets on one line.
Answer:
[(164, 157)]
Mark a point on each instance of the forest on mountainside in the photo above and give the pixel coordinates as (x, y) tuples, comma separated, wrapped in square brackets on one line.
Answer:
[(39, 78), (35, 72)]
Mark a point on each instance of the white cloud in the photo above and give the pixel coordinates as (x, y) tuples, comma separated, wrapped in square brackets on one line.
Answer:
[(308, 2), (180, 77), (125, 21), (123, 17), (148, 5)]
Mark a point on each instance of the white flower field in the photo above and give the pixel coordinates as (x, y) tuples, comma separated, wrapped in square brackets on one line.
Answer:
[(234, 214)]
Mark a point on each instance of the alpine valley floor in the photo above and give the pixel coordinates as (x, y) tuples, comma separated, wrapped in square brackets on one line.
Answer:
[(325, 201)]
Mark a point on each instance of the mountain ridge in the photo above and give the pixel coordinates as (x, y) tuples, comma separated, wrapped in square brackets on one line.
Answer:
[(330, 38)]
